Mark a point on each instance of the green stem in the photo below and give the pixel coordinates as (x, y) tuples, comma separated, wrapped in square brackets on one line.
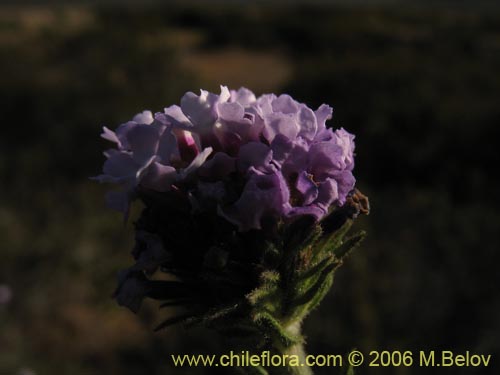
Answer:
[(298, 351), (295, 355), (288, 359)]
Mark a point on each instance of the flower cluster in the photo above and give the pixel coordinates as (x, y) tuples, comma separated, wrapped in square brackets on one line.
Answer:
[(249, 159)]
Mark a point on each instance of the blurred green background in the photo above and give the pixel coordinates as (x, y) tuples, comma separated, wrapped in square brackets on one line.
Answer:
[(418, 85)]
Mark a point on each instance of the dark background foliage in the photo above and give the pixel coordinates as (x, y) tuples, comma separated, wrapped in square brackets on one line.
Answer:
[(419, 86)]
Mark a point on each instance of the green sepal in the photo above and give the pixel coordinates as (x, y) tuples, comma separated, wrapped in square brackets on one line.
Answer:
[(333, 240), (312, 296), (266, 292), (315, 270), (349, 244)]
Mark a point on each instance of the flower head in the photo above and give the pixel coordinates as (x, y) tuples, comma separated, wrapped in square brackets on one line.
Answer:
[(242, 157)]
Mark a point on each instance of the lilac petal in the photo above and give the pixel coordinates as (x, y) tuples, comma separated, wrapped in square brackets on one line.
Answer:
[(122, 168), (312, 210), (110, 152), (254, 131), (277, 123), (110, 136), (324, 158), (224, 95), (285, 104), (243, 96), (199, 109), (145, 117), (120, 165), (132, 289), (307, 121), (228, 140), (249, 116), (167, 146), (323, 113), (218, 167), (234, 120), (174, 115), (254, 154), (282, 146), (346, 142), (230, 111), (143, 141), (121, 133), (297, 160), (324, 135), (306, 186), (159, 177), (328, 193), (263, 106), (196, 163), (345, 181), (263, 195)]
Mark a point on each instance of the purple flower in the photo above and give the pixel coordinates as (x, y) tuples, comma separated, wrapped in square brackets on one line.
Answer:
[(247, 158), (264, 195), (132, 289), (146, 153)]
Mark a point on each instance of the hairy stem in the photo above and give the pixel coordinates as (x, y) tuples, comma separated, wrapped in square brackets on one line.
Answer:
[(294, 355)]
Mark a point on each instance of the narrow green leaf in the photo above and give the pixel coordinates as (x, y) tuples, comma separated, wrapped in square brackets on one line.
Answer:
[(349, 245), (321, 293), (174, 320), (176, 302), (315, 293), (316, 269), (213, 314), (329, 243)]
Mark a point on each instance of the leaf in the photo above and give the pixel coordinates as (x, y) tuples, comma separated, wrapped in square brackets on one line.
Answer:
[(299, 232), (262, 294), (270, 277), (313, 295), (329, 243), (174, 320), (274, 329), (349, 245), (299, 236), (320, 293), (176, 302), (268, 289), (318, 268), (213, 314)]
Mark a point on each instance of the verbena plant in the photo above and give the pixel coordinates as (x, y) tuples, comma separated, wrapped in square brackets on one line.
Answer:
[(248, 202)]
